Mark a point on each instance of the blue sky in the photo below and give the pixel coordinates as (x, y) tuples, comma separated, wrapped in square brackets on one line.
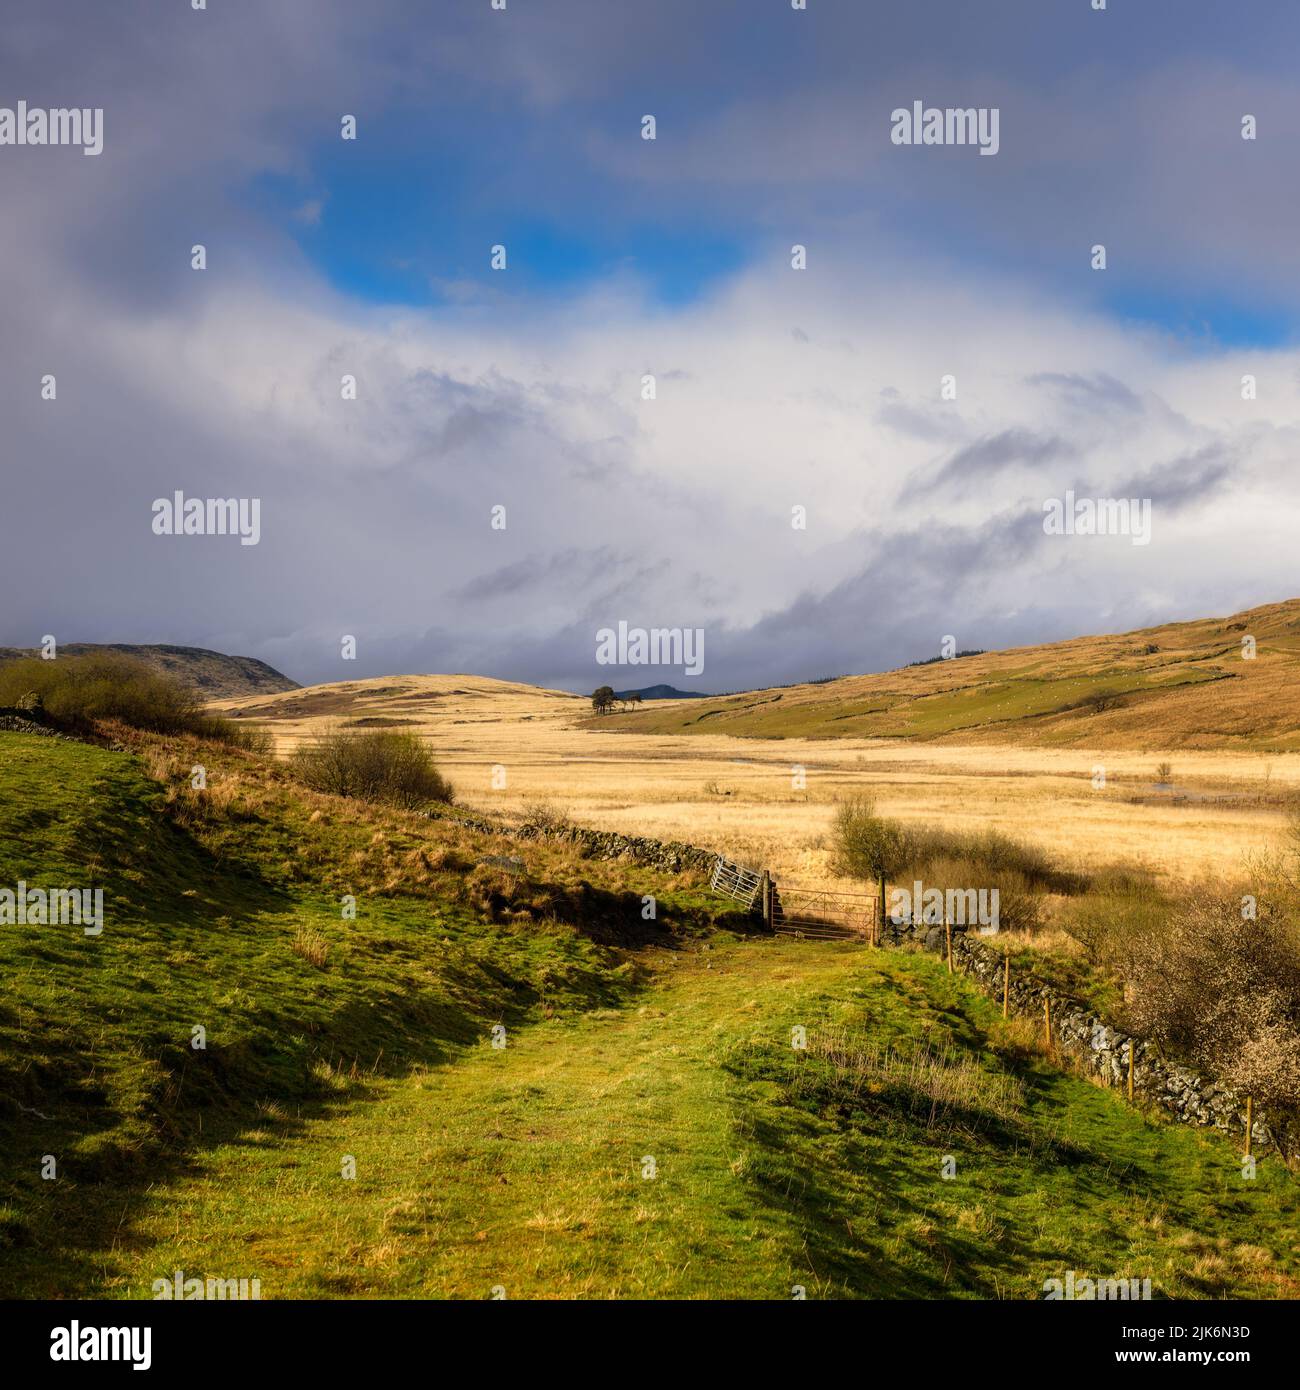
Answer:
[(445, 168)]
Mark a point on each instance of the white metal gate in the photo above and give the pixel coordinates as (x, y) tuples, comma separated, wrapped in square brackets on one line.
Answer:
[(733, 880)]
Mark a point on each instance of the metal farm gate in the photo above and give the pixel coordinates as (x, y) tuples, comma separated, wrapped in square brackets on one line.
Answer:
[(813, 912), (825, 913), (732, 880)]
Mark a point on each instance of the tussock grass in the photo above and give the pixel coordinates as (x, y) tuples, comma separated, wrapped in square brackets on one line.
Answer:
[(933, 1082)]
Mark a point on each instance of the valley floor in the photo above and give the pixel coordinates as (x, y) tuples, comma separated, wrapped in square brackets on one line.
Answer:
[(771, 800)]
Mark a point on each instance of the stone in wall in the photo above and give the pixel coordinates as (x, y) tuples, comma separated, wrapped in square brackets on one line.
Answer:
[(1173, 1088)]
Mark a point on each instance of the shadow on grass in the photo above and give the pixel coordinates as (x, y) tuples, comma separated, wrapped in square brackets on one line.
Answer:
[(855, 1168), (103, 1080)]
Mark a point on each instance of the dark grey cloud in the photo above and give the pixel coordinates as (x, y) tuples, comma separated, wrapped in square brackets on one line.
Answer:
[(975, 463), (1096, 392), (572, 569), (1182, 482)]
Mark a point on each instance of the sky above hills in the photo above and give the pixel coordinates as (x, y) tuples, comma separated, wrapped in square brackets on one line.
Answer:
[(522, 388)]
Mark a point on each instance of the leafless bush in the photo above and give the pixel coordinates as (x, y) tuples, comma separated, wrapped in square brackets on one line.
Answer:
[(1222, 991), (545, 817), (866, 845), (378, 765)]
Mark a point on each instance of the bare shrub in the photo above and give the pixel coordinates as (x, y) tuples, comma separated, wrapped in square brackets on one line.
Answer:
[(1121, 904), (989, 855), (1099, 701), (77, 692), (1020, 903), (1222, 991), (865, 845), (545, 817), (380, 765)]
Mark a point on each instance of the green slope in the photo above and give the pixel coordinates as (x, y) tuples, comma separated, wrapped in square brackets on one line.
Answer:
[(525, 1167)]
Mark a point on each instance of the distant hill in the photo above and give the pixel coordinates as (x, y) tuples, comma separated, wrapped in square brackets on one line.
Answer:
[(1181, 685), (660, 692), (451, 711), (213, 674)]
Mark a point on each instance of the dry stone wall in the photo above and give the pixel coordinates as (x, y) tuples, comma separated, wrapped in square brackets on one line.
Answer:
[(670, 856), (1103, 1049)]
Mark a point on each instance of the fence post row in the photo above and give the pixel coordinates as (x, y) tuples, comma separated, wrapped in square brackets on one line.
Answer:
[(758, 888)]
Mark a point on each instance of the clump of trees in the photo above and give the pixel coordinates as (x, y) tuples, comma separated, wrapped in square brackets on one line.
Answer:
[(77, 693), (1099, 701), (604, 699), (380, 765)]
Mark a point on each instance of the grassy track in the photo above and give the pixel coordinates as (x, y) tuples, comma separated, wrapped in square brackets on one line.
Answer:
[(525, 1167)]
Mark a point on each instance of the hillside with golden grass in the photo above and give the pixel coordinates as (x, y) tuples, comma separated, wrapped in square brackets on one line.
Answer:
[(769, 799), (422, 704), (1179, 686)]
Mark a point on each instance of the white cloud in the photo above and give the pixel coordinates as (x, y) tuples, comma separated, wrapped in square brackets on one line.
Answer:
[(675, 511)]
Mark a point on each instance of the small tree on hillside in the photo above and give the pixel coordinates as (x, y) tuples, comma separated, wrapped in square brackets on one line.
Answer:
[(1099, 701), (602, 699), (865, 845)]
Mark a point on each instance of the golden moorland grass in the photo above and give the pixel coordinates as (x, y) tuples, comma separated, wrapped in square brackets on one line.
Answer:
[(742, 795)]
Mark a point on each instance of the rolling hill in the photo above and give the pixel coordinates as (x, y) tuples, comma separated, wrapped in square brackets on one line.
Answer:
[(213, 674), (427, 705), (1182, 685), (660, 692)]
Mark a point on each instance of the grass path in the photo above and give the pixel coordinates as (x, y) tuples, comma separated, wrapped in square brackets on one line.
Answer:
[(519, 1167), (522, 1168)]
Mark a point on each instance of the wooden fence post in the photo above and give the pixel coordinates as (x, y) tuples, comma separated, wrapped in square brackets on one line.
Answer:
[(1047, 1020), (1250, 1121), (947, 927), (767, 899), (1132, 1048), (1006, 981)]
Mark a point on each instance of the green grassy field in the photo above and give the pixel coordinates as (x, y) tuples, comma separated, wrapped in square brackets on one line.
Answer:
[(647, 1130)]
